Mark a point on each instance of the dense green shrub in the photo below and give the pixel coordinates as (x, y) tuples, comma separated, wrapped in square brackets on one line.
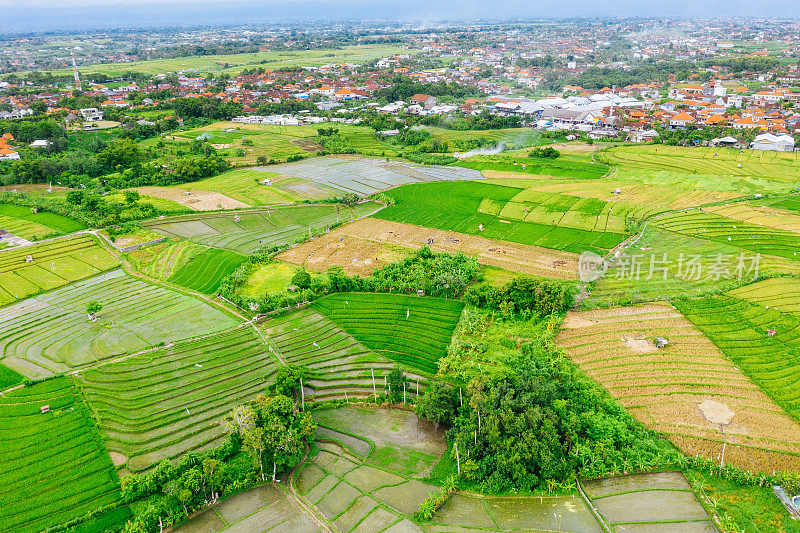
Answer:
[(522, 295)]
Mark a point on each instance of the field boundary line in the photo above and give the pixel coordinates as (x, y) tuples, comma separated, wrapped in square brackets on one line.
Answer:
[(597, 514), (131, 271), (306, 507)]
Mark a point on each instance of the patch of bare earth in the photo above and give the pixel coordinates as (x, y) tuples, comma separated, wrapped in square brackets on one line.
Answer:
[(688, 391), (118, 459), (639, 345), (194, 199)]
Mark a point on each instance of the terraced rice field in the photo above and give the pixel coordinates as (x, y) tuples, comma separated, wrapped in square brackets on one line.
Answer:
[(172, 400), (368, 244), (359, 498), (737, 322), (563, 210), (647, 198), (339, 364), (466, 206), (50, 334), (624, 284), (689, 391), (54, 265), (53, 466), (266, 509), (759, 215), (717, 228), (407, 329), (163, 259), (23, 222), (775, 166), (364, 176), (657, 502), (205, 272), (262, 228)]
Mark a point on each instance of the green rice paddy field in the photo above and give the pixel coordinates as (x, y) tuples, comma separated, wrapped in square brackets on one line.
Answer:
[(464, 206), (340, 366), (22, 222), (171, 401), (54, 466), (255, 229), (410, 330), (51, 333), (54, 264), (205, 272)]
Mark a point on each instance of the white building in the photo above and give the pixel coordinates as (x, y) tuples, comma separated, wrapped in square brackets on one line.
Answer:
[(769, 141)]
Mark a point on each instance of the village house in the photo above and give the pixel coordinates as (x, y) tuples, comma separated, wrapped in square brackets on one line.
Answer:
[(423, 100)]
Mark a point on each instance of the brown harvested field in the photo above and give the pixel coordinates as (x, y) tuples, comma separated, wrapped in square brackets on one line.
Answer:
[(368, 244), (354, 254), (193, 199), (687, 390), (761, 215)]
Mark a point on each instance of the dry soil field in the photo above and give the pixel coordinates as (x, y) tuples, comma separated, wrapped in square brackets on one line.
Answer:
[(194, 199), (687, 390), (365, 245)]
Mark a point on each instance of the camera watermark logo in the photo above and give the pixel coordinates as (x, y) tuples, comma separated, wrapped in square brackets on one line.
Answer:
[(591, 267)]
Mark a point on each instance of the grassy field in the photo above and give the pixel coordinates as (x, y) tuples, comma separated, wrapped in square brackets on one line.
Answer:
[(666, 389), (255, 229), (171, 401), (242, 144), (738, 325), (409, 330), (268, 278), (339, 364), (205, 272), (234, 63), (717, 228), (22, 222), (464, 206), (51, 334), (729, 169), (54, 265), (53, 466), (753, 508)]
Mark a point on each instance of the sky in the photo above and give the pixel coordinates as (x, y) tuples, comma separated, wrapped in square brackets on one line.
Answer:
[(38, 15)]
